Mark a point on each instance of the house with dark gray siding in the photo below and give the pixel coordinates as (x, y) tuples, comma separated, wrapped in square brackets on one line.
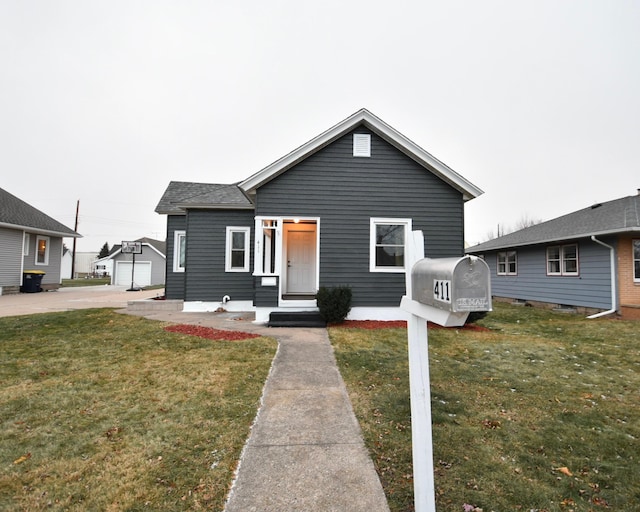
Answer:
[(588, 259), (337, 211), (30, 240)]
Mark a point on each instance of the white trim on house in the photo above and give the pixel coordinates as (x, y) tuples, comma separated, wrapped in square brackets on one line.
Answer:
[(377, 125), (373, 223), (176, 249), (47, 247), (228, 252)]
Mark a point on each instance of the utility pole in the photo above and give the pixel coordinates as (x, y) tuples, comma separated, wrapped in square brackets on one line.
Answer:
[(73, 253)]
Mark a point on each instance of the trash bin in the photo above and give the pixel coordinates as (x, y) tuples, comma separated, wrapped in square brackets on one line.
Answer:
[(31, 280)]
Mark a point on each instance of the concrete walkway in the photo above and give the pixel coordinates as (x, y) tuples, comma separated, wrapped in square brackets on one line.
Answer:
[(305, 451)]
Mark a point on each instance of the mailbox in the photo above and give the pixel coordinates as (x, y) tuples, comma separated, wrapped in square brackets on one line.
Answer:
[(459, 285)]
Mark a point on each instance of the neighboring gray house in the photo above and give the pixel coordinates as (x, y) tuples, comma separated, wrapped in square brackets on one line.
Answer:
[(30, 240), (337, 211), (587, 259), (148, 270)]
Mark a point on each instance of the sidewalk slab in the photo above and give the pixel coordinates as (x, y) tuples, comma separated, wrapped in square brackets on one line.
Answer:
[(305, 451)]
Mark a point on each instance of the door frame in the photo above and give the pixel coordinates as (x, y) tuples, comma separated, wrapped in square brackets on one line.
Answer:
[(287, 223)]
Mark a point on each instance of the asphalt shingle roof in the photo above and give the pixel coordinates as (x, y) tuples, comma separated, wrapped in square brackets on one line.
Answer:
[(17, 213), (181, 194), (617, 216)]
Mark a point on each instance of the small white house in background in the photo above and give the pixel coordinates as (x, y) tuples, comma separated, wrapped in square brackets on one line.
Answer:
[(84, 264), (148, 270)]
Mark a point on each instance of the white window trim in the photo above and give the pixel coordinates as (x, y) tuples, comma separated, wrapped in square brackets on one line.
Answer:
[(506, 262), (562, 261), (177, 235), (257, 258), (362, 145), (636, 279), (227, 263), (374, 221), (46, 251)]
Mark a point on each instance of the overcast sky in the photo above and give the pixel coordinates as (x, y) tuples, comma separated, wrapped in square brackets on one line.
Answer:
[(535, 102)]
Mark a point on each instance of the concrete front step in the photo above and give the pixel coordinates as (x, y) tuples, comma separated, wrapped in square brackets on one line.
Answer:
[(296, 319)]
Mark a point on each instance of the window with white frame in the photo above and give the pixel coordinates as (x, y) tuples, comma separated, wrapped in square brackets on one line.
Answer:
[(179, 251), (562, 260), (42, 250), (237, 253), (507, 263), (266, 241), (388, 244), (636, 261)]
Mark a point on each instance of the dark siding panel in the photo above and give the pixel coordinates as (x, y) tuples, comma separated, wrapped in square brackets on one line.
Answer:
[(345, 192), (266, 296), (206, 278), (174, 281), (592, 288)]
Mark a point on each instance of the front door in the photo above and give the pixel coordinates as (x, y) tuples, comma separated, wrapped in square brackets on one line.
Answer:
[(300, 259)]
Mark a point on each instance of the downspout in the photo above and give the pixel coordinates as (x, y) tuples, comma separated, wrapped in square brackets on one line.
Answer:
[(613, 280)]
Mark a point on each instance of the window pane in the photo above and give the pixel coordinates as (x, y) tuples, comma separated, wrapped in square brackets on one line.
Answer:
[(182, 248), (553, 267), (390, 256), (571, 252), (388, 234), (237, 259), (42, 251), (553, 253), (636, 270), (237, 240)]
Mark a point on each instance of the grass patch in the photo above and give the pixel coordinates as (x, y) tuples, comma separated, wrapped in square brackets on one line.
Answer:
[(542, 412), (74, 283), (104, 411)]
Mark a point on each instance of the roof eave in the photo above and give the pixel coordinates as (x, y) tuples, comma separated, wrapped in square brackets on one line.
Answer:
[(617, 231), (40, 231)]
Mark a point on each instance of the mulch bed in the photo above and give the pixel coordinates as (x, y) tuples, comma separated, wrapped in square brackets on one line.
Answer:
[(209, 333)]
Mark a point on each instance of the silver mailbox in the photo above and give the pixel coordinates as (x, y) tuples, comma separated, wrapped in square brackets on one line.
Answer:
[(452, 284)]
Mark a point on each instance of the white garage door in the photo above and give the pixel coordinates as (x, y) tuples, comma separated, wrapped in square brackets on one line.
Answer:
[(142, 276)]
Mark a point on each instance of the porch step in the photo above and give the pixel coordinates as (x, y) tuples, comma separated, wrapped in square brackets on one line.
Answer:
[(296, 319)]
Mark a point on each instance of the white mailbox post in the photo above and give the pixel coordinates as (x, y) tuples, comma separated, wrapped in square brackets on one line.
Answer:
[(443, 291)]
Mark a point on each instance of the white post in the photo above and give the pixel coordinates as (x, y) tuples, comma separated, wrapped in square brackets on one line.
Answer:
[(423, 482)]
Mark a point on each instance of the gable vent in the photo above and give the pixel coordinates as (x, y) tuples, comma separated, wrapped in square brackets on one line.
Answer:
[(361, 144)]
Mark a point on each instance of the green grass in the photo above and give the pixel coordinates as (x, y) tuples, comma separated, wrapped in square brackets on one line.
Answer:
[(103, 411), (540, 391), (74, 283)]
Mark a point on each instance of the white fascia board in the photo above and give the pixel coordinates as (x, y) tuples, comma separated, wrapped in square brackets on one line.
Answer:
[(377, 125), (38, 231)]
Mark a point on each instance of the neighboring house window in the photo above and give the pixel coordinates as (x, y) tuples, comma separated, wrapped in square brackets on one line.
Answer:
[(179, 250), (562, 260), (636, 260), (237, 259), (25, 247), (507, 263), (266, 246), (388, 242), (362, 144), (42, 250)]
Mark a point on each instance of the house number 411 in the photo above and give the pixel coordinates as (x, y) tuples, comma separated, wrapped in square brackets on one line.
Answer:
[(442, 290)]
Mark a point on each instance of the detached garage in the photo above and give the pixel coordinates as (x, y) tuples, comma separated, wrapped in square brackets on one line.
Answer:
[(149, 269), (141, 276)]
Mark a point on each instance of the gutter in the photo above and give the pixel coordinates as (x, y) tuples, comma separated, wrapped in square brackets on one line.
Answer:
[(613, 280)]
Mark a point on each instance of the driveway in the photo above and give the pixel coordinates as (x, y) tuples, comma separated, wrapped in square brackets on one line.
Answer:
[(65, 299)]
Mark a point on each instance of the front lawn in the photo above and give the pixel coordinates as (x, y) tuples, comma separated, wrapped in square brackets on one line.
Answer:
[(540, 412), (104, 411)]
